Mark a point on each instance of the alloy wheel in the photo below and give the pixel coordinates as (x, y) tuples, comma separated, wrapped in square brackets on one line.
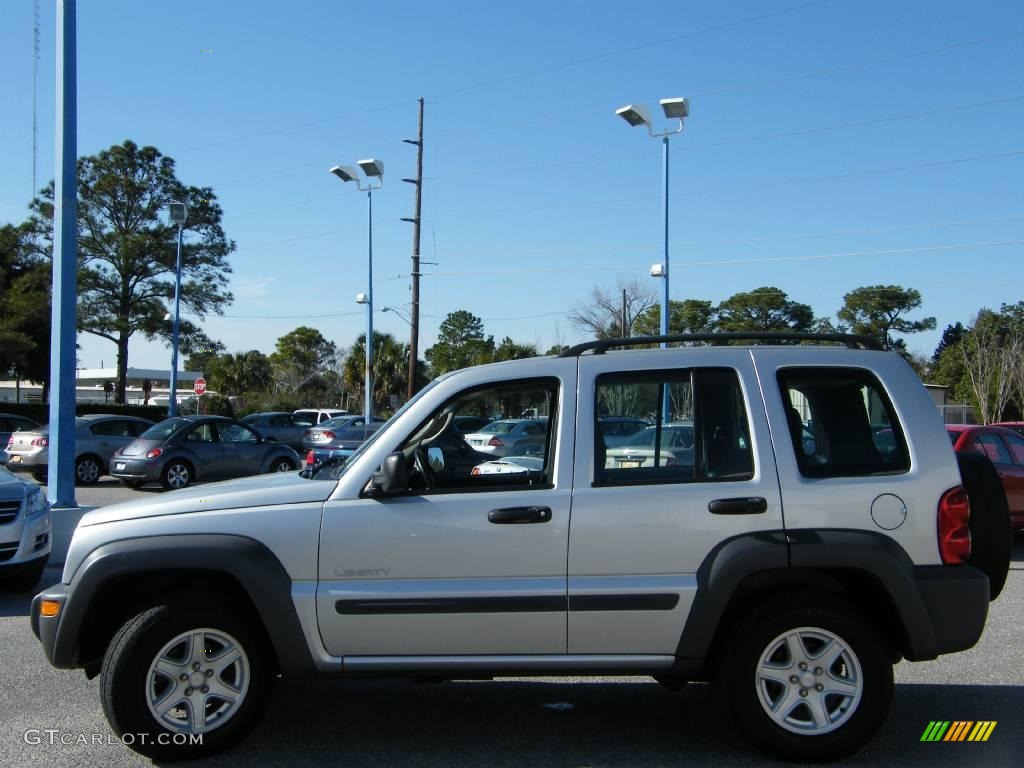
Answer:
[(198, 681), (87, 470), (177, 475), (809, 681)]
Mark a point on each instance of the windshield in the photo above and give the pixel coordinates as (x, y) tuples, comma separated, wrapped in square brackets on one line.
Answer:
[(330, 472), (164, 429), (499, 427)]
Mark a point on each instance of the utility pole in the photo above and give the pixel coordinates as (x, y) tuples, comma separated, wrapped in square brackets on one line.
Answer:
[(414, 314), (625, 332)]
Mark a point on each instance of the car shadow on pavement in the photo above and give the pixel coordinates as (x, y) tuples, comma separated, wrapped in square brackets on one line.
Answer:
[(1017, 552), (629, 722), (20, 603)]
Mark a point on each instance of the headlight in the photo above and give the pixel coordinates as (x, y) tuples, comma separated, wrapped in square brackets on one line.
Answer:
[(36, 502)]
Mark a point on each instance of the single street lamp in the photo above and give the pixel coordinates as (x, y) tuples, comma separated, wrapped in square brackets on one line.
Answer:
[(403, 317), (179, 215), (373, 169), (637, 114)]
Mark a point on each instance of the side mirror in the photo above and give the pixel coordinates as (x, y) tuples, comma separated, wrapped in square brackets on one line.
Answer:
[(435, 457), (393, 475)]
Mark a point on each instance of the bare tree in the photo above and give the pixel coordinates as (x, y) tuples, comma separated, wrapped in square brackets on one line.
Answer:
[(991, 351), (601, 315)]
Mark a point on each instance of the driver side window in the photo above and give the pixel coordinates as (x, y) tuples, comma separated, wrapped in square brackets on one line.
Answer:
[(500, 454)]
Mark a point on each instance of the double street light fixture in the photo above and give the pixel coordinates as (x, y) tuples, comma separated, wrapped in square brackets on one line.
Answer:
[(179, 215), (374, 172), (403, 317), (637, 114)]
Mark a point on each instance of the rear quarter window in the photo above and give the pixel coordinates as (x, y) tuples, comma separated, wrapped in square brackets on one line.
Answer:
[(842, 423)]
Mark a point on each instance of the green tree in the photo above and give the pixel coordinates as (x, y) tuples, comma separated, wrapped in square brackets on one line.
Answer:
[(300, 358), (686, 316), (126, 248), (951, 336), (460, 344), (25, 280), (390, 369), (513, 350), (240, 373), (878, 311), (763, 309)]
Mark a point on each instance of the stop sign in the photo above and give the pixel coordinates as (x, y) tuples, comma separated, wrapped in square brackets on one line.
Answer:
[(200, 386)]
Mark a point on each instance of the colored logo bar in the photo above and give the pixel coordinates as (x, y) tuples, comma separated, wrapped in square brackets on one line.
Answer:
[(959, 730)]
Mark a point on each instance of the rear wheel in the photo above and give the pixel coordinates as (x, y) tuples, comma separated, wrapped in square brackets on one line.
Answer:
[(176, 474), (282, 465), (193, 680), (808, 678), (991, 538), (87, 470)]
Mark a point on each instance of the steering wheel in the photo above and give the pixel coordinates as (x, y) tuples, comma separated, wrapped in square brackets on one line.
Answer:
[(426, 472)]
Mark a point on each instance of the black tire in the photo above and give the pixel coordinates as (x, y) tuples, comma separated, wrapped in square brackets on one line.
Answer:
[(671, 682), (125, 683), (277, 464), (23, 580), (174, 468), (991, 537), (88, 469), (753, 637)]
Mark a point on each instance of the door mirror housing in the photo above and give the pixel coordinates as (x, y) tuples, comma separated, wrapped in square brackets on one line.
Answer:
[(392, 477)]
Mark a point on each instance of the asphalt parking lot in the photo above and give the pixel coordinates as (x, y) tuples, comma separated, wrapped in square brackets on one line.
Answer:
[(620, 722)]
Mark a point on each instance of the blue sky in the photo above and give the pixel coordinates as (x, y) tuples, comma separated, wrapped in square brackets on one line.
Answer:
[(816, 157)]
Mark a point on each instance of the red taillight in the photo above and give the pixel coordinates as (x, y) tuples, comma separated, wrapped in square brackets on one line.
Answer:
[(954, 535), (40, 442), (495, 443), (310, 461), (10, 441), (328, 435), (154, 453), (475, 471)]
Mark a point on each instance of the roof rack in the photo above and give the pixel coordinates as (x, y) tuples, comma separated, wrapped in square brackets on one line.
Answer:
[(600, 345)]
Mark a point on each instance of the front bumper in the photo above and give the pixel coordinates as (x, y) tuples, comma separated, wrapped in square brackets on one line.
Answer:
[(24, 548), (45, 627), (956, 599)]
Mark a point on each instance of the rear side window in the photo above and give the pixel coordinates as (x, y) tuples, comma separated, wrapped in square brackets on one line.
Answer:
[(992, 446), (698, 428), (842, 423), (1016, 446)]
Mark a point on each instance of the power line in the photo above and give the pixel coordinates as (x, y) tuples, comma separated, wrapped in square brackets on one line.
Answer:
[(747, 187), (630, 49), (744, 140), (743, 240), (631, 267)]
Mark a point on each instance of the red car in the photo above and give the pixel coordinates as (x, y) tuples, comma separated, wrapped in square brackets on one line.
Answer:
[(1005, 448), (1016, 426)]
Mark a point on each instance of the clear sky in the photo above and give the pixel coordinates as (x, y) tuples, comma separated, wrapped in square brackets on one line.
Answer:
[(884, 137)]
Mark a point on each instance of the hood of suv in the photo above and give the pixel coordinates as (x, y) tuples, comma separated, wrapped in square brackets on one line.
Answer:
[(259, 491)]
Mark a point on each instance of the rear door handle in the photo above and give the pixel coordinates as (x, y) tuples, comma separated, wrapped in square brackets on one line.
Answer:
[(519, 515), (748, 505)]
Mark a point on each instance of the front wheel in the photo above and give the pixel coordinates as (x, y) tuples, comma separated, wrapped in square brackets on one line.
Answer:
[(808, 679), (177, 474), (184, 682)]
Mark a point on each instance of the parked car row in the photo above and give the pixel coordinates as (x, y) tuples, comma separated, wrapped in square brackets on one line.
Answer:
[(1005, 449)]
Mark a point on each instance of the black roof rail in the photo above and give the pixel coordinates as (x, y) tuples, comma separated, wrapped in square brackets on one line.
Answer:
[(600, 345)]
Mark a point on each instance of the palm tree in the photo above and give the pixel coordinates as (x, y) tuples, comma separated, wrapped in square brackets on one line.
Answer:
[(390, 368)]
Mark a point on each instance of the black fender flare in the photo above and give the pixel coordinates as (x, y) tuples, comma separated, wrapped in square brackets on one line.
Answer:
[(805, 557), (249, 562)]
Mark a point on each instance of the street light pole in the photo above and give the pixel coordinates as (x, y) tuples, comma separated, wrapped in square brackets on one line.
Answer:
[(179, 214), (637, 114), (373, 169), (368, 407)]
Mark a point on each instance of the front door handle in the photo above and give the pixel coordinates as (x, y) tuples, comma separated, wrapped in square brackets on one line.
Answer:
[(519, 515), (747, 505)]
